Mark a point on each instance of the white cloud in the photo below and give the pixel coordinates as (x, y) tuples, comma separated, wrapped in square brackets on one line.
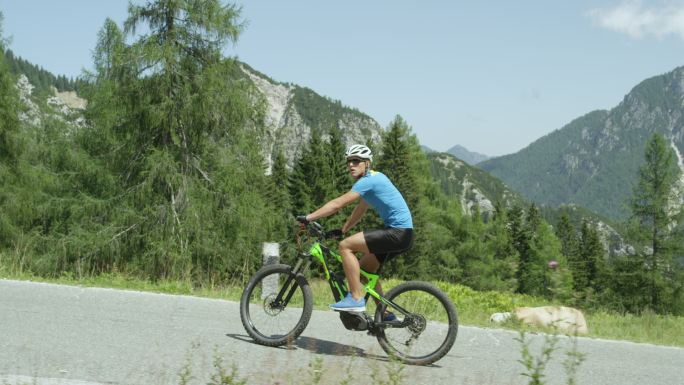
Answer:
[(638, 21)]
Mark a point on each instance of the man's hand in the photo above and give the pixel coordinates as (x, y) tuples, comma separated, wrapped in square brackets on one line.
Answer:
[(302, 220)]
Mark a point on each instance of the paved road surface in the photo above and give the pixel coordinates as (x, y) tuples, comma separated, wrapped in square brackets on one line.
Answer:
[(53, 334)]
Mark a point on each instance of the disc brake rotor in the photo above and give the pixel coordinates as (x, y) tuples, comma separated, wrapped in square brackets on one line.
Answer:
[(270, 307)]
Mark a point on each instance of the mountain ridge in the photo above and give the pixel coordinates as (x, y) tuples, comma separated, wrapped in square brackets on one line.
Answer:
[(593, 161), (470, 157)]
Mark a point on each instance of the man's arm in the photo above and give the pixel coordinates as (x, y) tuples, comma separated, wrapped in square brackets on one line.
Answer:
[(334, 206), (355, 216)]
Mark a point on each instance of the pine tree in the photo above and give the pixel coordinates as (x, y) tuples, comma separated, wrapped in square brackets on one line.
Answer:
[(10, 148), (567, 235), (520, 240), (498, 240), (308, 185), (531, 248), (177, 59), (482, 268), (9, 111), (300, 188), (578, 265), (586, 264), (318, 170), (184, 132), (280, 182), (549, 281), (109, 52), (657, 210), (533, 218), (590, 258), (543, 247), (338, 175), (107, 105), (336, 179), (396, 161)]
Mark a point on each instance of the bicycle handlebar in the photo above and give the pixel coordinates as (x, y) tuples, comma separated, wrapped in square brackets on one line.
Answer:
[(315, 229)]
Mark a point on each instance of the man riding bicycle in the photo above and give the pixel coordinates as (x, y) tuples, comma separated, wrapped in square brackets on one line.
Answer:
[(374, 189)]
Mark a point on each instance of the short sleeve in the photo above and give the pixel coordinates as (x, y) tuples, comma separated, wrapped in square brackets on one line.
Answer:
[(362, 186)]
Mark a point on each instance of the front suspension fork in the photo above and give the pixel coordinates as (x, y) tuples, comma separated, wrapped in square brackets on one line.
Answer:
[(290, 284)]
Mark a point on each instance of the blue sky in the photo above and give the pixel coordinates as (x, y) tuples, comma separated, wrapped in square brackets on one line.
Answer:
[(492, 76)]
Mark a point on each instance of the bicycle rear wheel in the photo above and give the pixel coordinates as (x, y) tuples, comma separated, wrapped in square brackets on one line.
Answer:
[(430, 328), (276, 305)]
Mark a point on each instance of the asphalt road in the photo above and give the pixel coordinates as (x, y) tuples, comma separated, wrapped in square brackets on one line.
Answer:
[(54, 334)]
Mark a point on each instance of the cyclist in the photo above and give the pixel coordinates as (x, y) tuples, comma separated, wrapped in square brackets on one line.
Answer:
[(372, 188)]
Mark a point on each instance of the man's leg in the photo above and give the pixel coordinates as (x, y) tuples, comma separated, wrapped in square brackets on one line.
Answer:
[(349, 246), (370, 263)]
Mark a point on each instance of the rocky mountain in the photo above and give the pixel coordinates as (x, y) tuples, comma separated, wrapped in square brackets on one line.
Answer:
[(470, 185), (292, 112), (475, 187), (466, 155), (426, 149), (593, 161)]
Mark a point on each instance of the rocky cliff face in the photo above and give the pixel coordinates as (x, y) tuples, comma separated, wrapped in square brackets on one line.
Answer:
[(66, 106), (680, 186), (288, 130), (471, 186)]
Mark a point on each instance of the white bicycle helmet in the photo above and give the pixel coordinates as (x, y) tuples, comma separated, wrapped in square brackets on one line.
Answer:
[(359, 151)]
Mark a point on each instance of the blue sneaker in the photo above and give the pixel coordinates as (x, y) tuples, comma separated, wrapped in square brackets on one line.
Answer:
[(350, 304), (389, 317)]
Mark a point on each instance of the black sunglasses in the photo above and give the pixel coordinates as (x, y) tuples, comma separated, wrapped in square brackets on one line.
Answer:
[(354, 161)]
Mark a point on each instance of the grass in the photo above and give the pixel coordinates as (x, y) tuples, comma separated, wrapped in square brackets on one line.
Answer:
[(474, 308)]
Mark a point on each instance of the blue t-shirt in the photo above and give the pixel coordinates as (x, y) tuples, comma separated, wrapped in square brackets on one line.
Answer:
[(379, 192)]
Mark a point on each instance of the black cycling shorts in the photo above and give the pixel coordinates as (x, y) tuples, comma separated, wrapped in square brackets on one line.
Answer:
[(388, 243)]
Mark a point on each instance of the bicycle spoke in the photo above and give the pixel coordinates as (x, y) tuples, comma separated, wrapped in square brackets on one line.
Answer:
[(429, 330), (269, 317), (274, 313)]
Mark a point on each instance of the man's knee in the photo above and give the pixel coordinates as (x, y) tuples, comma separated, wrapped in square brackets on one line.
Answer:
[(350, 243), (345, 245)]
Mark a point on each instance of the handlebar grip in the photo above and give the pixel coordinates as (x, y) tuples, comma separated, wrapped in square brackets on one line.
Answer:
[(302, 219)]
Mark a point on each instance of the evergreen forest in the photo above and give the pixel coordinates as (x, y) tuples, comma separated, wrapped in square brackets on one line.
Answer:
[(167, 180), (40, 78)]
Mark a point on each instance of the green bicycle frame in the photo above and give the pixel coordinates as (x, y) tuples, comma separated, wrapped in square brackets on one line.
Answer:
[(321, 253)]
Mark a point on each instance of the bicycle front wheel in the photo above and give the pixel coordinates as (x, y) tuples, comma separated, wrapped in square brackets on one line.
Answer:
[(429, 330), (276, 305)]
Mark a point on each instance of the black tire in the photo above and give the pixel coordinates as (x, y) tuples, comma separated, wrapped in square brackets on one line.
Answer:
[(274, 325), (433, 324)]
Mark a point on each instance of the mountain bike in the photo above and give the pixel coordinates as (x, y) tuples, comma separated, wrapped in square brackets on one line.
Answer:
[(277, 303)]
